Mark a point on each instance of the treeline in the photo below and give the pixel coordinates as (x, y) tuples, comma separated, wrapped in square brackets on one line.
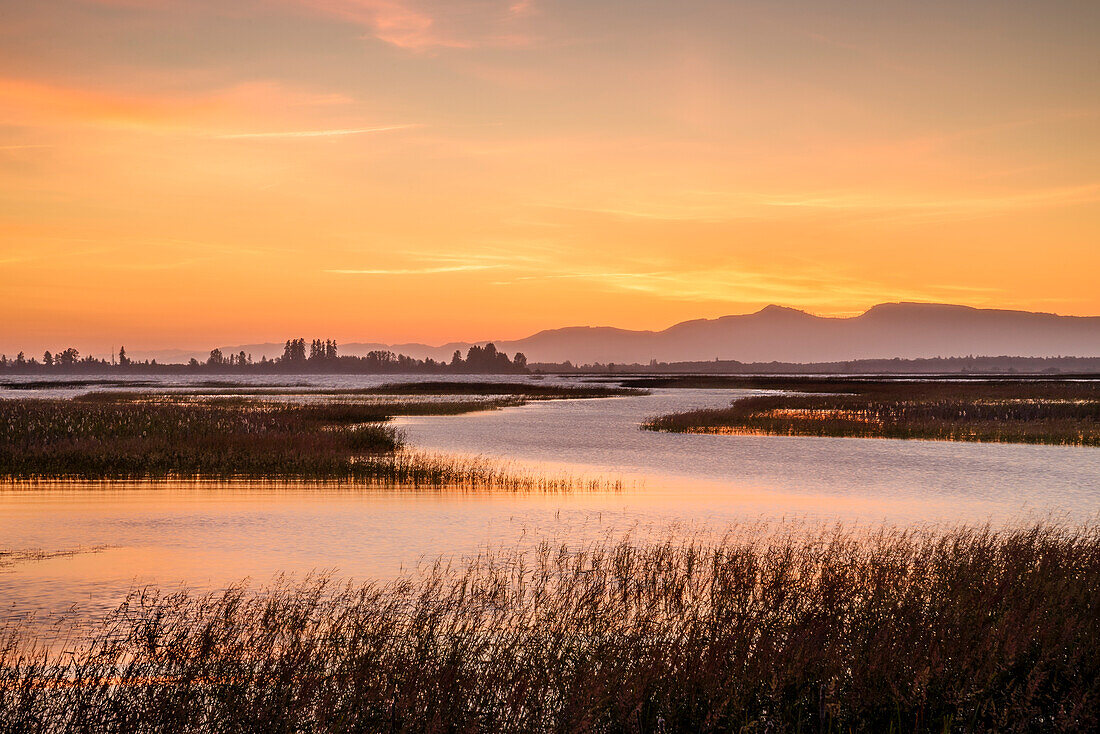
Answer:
[(319, 355)]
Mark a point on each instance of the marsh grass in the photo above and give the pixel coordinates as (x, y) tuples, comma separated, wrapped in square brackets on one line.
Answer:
[(1063, 413), (764, 630), (11, 557), (526, 390), (104, 440), (169, 436), (513, 390), (451, 473)]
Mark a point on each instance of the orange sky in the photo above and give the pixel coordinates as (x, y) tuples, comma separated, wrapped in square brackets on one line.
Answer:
[(200, 172)]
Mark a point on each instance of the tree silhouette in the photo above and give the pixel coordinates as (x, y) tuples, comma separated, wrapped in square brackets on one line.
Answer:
[(294, 350), (68, 358)]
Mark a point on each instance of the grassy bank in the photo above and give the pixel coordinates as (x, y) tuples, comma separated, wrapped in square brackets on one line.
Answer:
[(1042, 412), (969, 630), (106, 440), (435, 390), (525, 390), (169, 435), (840, 383)]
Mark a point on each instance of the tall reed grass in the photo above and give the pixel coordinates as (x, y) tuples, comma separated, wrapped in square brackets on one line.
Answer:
[(182, 437), (1063, 413), (766, 630), (105, 440), (515, 390)]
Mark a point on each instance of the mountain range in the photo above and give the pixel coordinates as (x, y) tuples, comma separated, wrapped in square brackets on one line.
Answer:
[(774, 333)]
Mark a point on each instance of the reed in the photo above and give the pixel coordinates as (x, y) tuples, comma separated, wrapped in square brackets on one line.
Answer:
[(183, 437), (99, 440), (1062, 413), (522, 389), (768, 629), (516, 390)]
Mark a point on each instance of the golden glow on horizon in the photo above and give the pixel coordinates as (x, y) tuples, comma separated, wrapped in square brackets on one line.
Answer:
[(190, 173)]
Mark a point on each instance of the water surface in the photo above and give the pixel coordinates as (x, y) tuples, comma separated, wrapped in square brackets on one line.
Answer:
[(206, 535)]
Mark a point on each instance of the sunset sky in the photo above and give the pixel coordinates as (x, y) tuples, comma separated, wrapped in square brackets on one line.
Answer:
[(199, 172)]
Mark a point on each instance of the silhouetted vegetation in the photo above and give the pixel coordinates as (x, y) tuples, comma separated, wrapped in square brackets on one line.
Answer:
[(525, 390), (133, 435), (852, 383), (322, 357), (101, 440), (1065, 412), (772, 629)]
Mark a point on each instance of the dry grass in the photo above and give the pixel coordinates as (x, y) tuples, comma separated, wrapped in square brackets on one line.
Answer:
[(105, 440), (421, 470), (183, 437), (435, 389), (525, 390), (12, 557), (765, 631), (1064, 413)]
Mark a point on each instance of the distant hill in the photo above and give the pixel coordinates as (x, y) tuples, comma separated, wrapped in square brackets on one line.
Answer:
[(776, 333)]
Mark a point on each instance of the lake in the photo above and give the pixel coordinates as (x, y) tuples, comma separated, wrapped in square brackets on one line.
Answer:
[(204, 535)]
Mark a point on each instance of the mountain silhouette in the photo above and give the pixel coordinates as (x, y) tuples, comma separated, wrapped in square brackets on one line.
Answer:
[(777, 333)]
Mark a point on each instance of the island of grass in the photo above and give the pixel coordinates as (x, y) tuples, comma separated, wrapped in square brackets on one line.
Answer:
[(1059, 412), (340, 435)]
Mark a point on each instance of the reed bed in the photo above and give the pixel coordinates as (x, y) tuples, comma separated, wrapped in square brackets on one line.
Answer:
[(766, 630), (1061, 413), (11, 557), (419, 469), (516, 390), (523, 389), (361, 408), (102, 440), (182, 437)]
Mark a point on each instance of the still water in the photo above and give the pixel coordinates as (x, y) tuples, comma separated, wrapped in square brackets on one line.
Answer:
[(204, 535)]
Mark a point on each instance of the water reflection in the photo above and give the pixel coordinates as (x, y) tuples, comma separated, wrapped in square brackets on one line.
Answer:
[(206, 535), (602, 435)]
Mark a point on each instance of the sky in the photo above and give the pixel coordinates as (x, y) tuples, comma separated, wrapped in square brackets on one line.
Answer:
[(198, 172)]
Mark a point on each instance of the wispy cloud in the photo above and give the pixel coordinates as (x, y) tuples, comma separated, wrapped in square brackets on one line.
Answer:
[(826, 290), (521, 7), (718, 207), (416, 25), (52, 255), (424, 26), (1042, 197), (412, 271), (220, 111), (393, 21), (317, 133)]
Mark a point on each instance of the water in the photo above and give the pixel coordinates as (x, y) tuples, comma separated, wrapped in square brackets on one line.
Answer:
[(68, 386), (906, 480), (205, 535)]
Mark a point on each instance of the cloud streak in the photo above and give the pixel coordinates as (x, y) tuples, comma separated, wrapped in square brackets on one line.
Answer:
[(412, 271), (217, 111), (338, 132), (724, 207), (425, 26)]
